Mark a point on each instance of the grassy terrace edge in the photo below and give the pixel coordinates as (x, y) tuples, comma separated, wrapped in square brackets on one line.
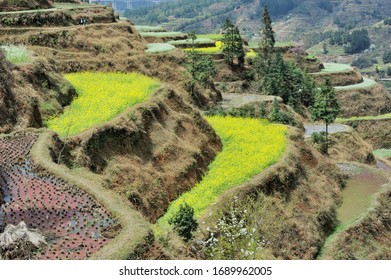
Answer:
[(135, 229), (365, 118)]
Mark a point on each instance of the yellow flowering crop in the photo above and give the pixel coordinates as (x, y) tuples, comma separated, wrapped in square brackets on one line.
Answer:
[(102, 96), (249, 146), (216, 49)]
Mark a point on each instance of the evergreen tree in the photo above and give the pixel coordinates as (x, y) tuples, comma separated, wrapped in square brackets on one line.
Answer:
[(266, 47), (325, 107), (265, 57), (184, 222), (200, 67), (233, 44)]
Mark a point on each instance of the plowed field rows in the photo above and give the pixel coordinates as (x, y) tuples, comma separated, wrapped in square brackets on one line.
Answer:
[(74, 224)]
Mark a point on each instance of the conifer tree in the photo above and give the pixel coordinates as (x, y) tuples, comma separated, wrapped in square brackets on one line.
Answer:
[(200, 67), (266, 46), (325, 107), (233, 44)]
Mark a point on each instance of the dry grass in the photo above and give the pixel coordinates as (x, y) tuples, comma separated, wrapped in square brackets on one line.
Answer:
[(349, 146), (349, 76), (371, 101), (375, 132)]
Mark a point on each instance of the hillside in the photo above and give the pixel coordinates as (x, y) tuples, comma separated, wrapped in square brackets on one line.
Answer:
[(110, 130), (293, 17)]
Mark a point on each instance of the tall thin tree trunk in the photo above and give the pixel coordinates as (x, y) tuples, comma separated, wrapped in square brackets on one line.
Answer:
[(327, 140)]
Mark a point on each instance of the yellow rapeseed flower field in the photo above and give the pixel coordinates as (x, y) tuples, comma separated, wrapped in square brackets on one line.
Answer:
[(102, 96), (211, 50), (249, 146)]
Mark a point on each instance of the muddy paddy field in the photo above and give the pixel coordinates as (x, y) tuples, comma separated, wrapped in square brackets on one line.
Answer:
[(74, 224)]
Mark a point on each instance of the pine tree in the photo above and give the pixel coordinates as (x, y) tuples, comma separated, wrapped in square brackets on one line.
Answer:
[(233, 44), (325, 107), (200, 67), (266, 46)]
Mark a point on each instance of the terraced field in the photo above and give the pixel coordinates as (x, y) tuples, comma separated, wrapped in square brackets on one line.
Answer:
[(336, 67), (102, 96), (249, 146), (159, 48), (378, 117), (209, 50), (75, 225), (367, 83)]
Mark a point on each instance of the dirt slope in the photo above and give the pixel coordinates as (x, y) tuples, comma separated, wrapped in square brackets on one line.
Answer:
[(29, 91), (12, 5)]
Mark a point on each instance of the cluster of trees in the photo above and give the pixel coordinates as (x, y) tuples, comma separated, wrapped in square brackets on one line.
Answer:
[(278, 77), (294, 86), (354, 42), (364, 62)]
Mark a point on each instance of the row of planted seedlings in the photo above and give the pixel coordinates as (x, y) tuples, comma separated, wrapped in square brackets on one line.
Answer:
[(74, 224)]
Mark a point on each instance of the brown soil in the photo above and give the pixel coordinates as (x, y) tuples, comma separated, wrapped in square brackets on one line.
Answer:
[(293, 200), (364, 102), (349, 146), (375, 132)]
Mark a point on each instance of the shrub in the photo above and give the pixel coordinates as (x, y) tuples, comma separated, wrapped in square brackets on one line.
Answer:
[(319, 139), (278, 116), (234, 237), (387, 56), (184, 222)]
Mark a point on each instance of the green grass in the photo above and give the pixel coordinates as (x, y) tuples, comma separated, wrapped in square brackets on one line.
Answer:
[(367, 83), (214, 37), (102, 96), (159, 48), (16, 54), (383, 153), (147, 28), (364, 118), (161, 34), (188, 41), (249, 146), (332, 50), (336, 67)]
